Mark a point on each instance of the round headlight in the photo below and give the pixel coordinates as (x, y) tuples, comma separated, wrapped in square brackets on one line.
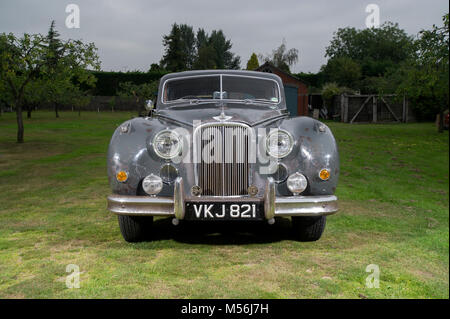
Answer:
[(167, 144), (152, 184), (279, 143), (297, 183)]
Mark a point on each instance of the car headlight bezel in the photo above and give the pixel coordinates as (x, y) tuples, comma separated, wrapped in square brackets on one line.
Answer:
[(173, 135), (278, 154)]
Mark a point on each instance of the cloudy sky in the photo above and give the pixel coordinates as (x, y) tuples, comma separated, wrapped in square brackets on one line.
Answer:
[(128, 34)]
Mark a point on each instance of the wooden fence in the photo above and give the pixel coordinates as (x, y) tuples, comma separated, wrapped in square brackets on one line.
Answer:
[(371, 108)]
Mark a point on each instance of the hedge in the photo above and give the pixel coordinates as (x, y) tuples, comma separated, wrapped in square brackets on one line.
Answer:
[(108, 82)]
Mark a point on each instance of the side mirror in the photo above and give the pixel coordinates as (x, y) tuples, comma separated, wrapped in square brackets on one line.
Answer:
[(149, 105)]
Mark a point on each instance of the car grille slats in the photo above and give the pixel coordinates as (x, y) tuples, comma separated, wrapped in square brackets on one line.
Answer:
[(226, 171)]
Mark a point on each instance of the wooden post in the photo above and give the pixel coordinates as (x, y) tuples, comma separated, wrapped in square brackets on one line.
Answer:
[(345, 108), (342, 107), (374, 109)]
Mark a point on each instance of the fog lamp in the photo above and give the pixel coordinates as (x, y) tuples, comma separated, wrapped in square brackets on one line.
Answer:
[(324, 174), (297, 183), (152, 184), (122, 176)]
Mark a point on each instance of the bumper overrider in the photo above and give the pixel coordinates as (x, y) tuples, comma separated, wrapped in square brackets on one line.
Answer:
[(175, 206)]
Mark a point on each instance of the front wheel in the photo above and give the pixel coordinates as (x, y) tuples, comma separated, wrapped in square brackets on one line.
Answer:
[(308, 228), (135, 228)]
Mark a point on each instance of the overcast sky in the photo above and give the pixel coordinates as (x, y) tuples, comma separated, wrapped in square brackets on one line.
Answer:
[(128, 34)]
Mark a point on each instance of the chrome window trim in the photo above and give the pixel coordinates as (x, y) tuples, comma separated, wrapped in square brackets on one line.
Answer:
[(220, 75)]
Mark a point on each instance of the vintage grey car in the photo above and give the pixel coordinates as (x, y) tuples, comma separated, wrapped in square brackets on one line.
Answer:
[(220, 145)]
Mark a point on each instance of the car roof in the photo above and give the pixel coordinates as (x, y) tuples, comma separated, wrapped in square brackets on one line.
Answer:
[(231, 72)]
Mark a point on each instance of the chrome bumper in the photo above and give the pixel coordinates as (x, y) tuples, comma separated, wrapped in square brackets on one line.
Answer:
[(174, 206)]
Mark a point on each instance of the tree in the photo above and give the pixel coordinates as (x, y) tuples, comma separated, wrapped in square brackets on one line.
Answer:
[(253, 63), (225, 59), (425, 78), (179, 48), (185, 51), (32, 58), (154, 67), (21, 60), (206, 58), (375, 49), (281, 57), (343, 70)]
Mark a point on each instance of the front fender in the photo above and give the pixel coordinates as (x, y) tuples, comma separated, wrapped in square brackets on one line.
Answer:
[(315, 148), (128, 152)]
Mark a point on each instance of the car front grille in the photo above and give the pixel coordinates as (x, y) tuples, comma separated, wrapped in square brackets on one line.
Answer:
[(226, 171)]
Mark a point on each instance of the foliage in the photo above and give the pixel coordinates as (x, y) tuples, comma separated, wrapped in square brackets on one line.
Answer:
[(314, 80), (140, 92), (331, 89), (179, 48), (108, 83), (374, 49), (426, 78), (185, 51), (60, 67), (343, 70), (253, 63), (281, 57)]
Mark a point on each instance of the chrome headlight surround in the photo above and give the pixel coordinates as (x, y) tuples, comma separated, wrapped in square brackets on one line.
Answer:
[(173, 136), (286, 135)]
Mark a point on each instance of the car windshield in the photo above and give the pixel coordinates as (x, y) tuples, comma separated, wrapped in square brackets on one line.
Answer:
[(221, 87)]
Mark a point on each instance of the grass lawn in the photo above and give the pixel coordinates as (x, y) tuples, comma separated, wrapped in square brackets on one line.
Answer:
[(394, 210)]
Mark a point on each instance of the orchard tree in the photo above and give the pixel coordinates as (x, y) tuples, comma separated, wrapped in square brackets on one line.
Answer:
[(21, 62), (31, 58), (67, 68)]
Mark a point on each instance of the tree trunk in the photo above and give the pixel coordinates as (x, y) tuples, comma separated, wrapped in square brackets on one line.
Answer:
[(29, 109), (19, 122), (56, 110)]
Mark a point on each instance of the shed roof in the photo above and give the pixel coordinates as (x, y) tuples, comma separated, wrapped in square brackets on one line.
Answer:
[(273, 67)]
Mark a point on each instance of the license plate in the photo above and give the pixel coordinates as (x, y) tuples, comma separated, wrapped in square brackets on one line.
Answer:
[(224, 211)]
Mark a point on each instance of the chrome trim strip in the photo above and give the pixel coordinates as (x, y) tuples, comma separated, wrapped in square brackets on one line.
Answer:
[(178, 198), (273, 206), (141, 205), (306, 205), (269, 199)]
